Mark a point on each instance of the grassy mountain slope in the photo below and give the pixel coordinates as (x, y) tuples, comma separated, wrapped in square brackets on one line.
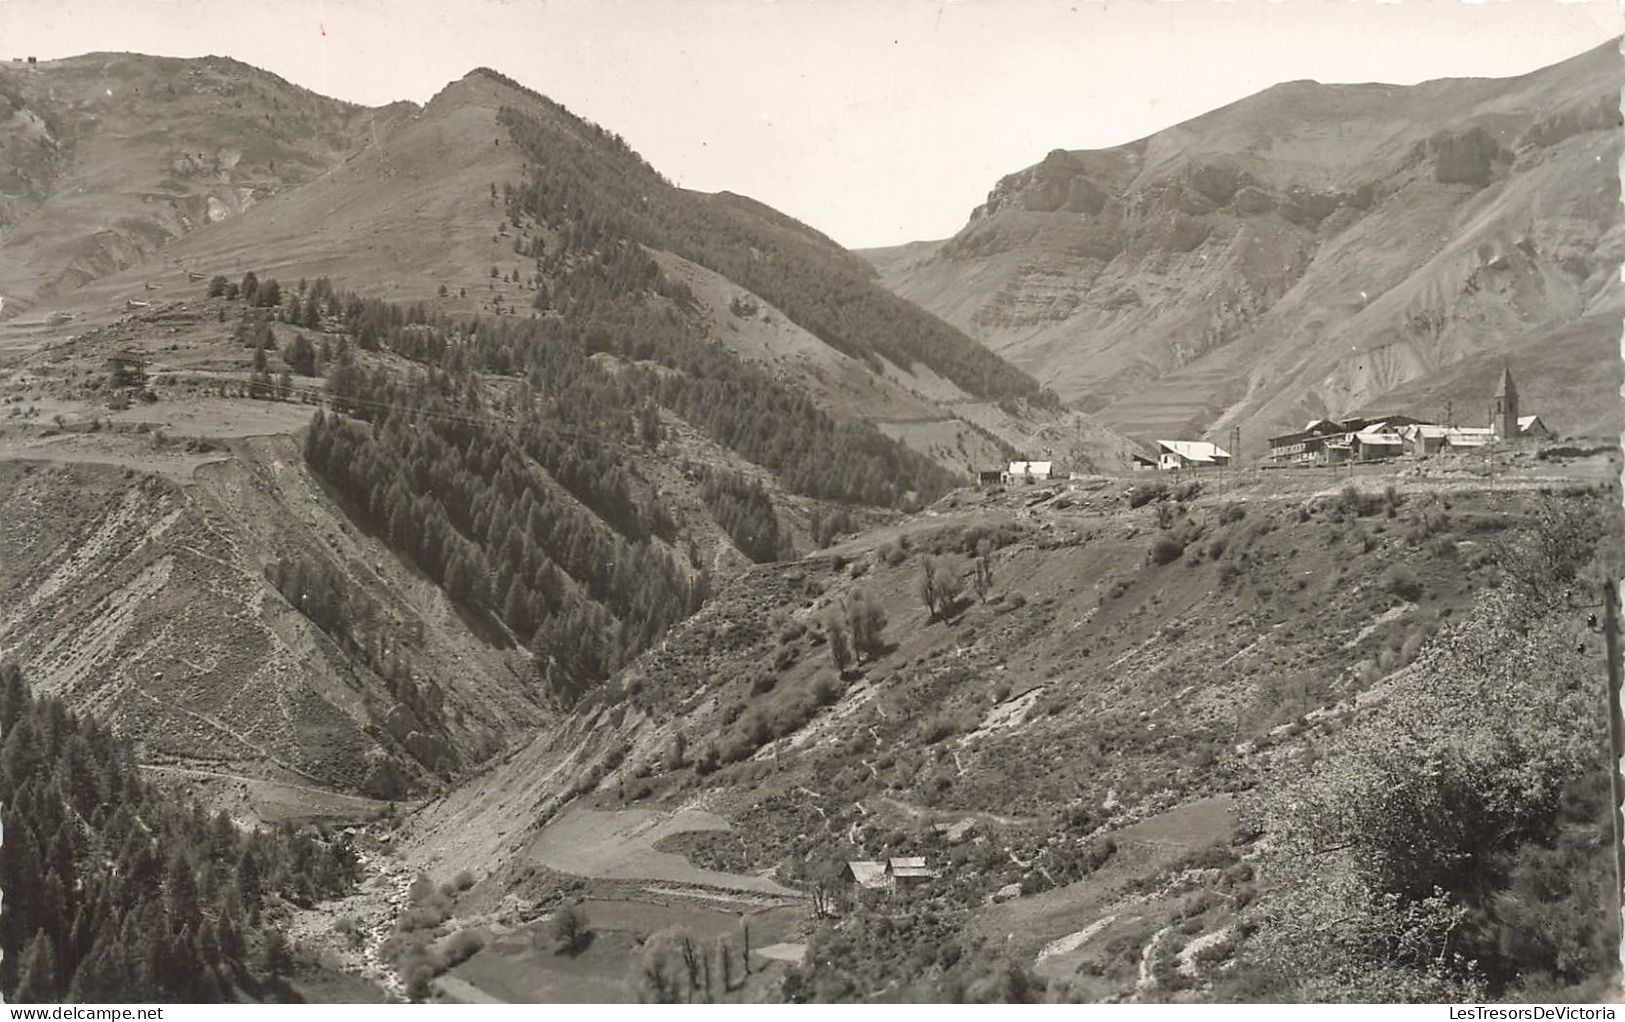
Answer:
[(106, 158), (1131, 670), (425, 205), (1311, 250)]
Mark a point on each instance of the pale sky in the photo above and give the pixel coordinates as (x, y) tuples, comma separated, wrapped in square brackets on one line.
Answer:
[(876, 121)]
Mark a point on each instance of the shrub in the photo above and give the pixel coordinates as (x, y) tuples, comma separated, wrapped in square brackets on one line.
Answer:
[(939, 727), (1231, 513), (708, 759), (462, 945), (1141, 495), (825, 690), (1166, 549), (570, 930), (783, 658), (1402, 582), (1442, 546)]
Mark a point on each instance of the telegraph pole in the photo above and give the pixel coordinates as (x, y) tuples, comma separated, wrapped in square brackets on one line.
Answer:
[(1235, 454), (1616, 737)]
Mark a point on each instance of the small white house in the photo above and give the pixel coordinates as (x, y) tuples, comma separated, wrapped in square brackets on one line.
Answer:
[(1531, 426), (1177, 454), (1029, 471)]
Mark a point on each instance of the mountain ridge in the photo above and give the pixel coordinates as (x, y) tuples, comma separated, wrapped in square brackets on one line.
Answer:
[(1208, 275)]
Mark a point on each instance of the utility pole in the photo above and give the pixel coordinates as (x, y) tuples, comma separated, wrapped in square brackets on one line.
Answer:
[(1616, 737), (1235, 453)]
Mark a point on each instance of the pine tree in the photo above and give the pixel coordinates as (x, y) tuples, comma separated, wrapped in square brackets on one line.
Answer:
[(38, 981), (249, 884)]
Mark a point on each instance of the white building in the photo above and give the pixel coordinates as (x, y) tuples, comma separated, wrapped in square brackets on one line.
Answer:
[(1177, 454), (1029, 471)]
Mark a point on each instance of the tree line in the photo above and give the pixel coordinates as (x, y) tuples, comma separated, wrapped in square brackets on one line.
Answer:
[(464, 499), (580, 180)]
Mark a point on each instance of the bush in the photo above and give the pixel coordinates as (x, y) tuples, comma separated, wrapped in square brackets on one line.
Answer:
[(1231, 513), (570, 930), (1166, 549), (1141, 495), (1402, 582), (825, 690), (939, 727), (462, 945)]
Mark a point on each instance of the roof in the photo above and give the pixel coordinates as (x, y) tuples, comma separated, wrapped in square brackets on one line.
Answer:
[(1527, 422), (1037, 468), (1193, 450), (1376, 439), (1471, 437), (1507, 387), (910, 866), (868, 874), (1425, 430)]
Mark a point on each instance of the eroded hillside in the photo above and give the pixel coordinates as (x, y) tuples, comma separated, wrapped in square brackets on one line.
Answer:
[(1312, 250)]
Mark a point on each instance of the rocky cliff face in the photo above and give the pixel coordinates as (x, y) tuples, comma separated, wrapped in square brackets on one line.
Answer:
[(1307, 251)]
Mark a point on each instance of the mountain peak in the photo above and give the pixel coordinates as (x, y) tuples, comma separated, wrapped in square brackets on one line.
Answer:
[(1403, 234)]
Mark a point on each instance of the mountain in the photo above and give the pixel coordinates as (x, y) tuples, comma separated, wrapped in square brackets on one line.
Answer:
[(410, 204), (679, 384), (485, 508), (1310, 251), (106, 158)]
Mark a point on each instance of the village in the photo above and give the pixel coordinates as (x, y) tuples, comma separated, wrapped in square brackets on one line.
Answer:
[(1329, 442)]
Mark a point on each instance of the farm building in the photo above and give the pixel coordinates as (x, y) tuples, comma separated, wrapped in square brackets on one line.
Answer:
[(1307, 444), (989, 477), (903, 871), (1178, 454), (1029, 471), (1142, 463), (1423, 438), (1376, 442), (909, 870), (1468, 436), (1333, 441), (871, 875)]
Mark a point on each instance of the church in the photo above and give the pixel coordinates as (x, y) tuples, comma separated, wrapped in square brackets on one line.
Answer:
[(1505, 421)]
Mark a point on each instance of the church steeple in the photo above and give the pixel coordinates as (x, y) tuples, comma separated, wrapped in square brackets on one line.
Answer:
[(1504, 416)]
